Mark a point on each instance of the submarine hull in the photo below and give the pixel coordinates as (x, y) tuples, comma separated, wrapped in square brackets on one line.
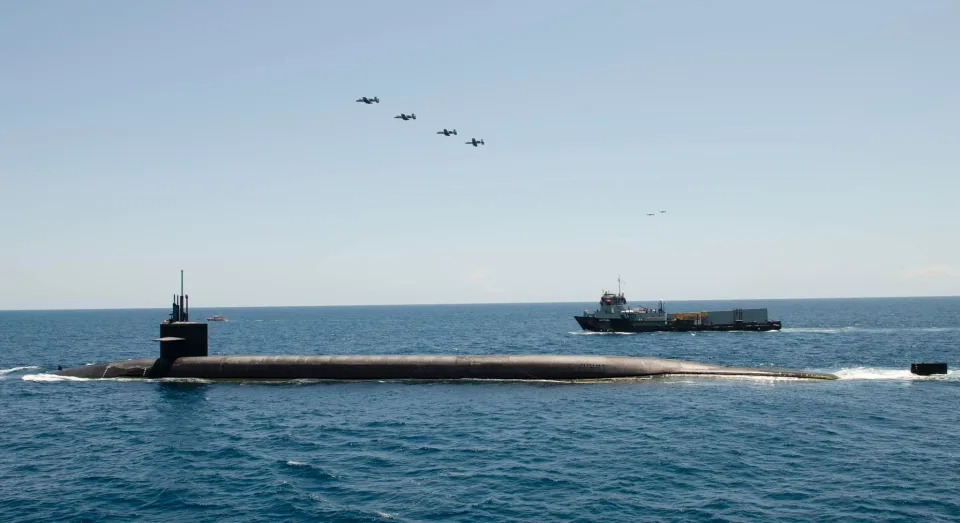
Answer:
[(418, 367), (593, 324)]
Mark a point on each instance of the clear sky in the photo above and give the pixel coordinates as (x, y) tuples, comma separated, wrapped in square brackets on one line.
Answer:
[(800, 149)]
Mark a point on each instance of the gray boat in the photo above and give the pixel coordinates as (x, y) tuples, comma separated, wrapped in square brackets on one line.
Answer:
[(615, 316)]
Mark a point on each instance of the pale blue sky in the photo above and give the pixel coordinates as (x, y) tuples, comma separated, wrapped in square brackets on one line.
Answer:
[(805, 149)]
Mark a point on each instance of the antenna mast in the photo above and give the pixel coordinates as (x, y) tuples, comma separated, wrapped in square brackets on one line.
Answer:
[(180, 305)]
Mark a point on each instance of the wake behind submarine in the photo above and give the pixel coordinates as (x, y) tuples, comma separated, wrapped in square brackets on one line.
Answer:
[(183, 354)]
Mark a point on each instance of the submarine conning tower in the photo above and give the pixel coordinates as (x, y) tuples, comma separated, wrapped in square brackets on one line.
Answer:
[(180, 337)]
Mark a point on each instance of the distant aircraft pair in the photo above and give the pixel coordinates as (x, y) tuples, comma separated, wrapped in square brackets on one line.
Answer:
[(651, 214), (473, 141), (376, 100)]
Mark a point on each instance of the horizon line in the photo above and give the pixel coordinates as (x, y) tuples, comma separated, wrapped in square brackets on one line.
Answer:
[(466, 303)]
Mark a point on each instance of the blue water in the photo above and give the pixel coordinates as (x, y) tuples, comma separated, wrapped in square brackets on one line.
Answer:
[(878, 444)]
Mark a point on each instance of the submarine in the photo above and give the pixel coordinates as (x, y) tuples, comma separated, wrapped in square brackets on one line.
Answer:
[(183, 354), (419, 367)]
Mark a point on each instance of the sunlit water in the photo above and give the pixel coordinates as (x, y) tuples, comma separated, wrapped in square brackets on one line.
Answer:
[(878, 444)]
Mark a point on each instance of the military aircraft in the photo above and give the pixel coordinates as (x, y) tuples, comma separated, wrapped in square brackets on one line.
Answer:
[(474, 142), (649, 214), (447, 133), (369, 101), (410, 116), (663, 212)]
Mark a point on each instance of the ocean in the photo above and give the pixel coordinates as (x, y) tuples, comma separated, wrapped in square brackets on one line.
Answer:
[(879, 444)]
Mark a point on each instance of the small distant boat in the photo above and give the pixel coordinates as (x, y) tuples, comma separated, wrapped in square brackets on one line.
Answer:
[(217, 318)]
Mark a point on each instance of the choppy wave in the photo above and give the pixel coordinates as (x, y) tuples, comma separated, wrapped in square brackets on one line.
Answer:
[(872, 373), (631, 449)]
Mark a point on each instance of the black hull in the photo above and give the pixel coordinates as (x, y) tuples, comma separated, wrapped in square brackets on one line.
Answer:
[(419, 367), (621, 325)]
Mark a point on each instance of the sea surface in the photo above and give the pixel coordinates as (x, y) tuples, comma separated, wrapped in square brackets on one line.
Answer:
[(879, 444)]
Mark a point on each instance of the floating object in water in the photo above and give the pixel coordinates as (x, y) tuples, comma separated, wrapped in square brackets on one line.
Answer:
[(927, 369), (217, 318)]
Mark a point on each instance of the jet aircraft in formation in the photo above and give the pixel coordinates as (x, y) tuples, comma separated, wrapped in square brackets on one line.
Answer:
[(473, 141)]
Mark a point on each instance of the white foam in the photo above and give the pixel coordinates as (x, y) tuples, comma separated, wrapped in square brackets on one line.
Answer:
[(50, 378), (177, 380), (819, 330), (4, 372), (874, 330), (871, 373), (296, 464), (592, 333)]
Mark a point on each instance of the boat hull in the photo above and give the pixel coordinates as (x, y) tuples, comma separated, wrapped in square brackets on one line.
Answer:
[(589, 323)]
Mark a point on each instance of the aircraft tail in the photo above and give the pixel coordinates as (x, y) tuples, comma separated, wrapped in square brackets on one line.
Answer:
[(413, 116), (454, 132)]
